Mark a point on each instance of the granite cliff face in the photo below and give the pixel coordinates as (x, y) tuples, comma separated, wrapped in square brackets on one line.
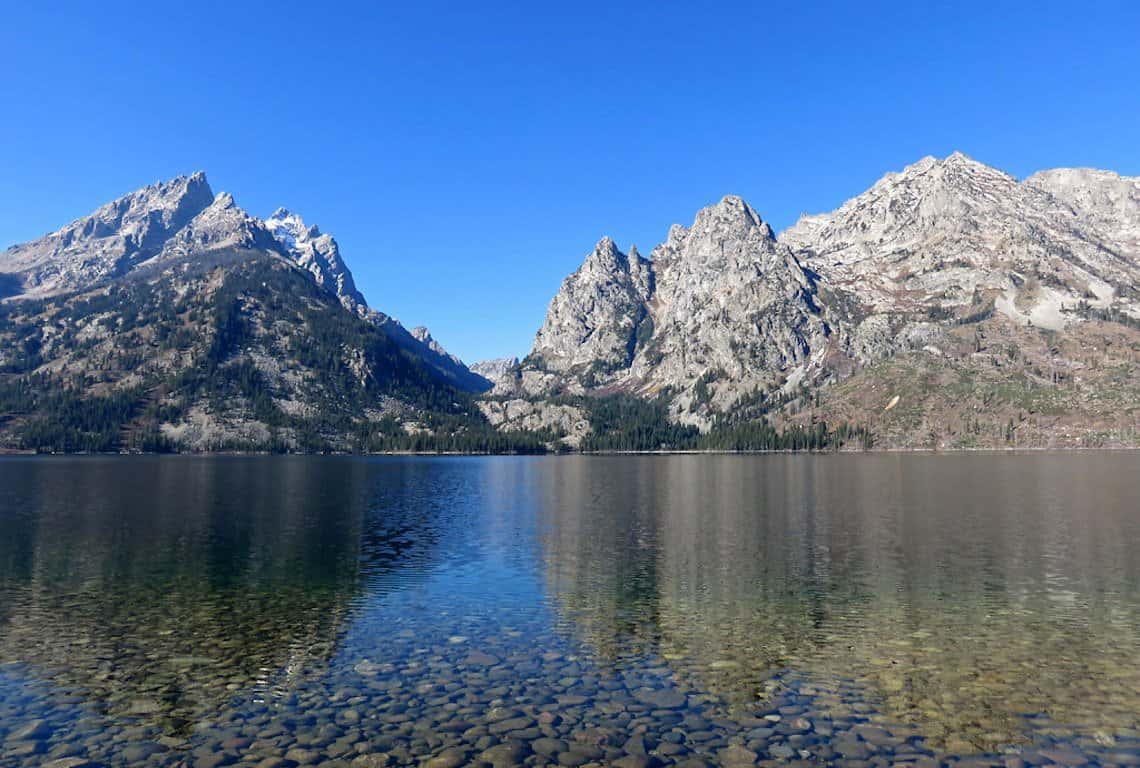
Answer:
[(594, 319), (108, 243), (319, 255), (952, 238), (182, 219), (495, 370), (734, 313), (724, 316), (1104, 202), (719, 311)]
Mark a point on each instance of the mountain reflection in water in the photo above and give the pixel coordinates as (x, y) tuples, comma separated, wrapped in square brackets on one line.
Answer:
[(352, 608)]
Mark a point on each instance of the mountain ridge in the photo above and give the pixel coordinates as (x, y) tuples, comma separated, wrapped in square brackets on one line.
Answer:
[(182, 218), (741, 319), (948, 276), (171, 319)]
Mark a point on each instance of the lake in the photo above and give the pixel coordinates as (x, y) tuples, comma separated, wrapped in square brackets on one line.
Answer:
[(619, 610)]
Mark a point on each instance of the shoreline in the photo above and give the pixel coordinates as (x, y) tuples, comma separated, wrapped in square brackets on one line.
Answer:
[(13, 453)]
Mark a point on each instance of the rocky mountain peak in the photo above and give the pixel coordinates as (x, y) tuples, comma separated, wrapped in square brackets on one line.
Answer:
[(731, 219), (318, 254), (732, 212), (166, 195), (1102, 201), (110, 241), (955, 237), (720, 299), (596, 311), (727, 233), (957, 171), (289, 227), (421, 343), (498, 370), (222, 224), (606, 259), (606, 249), (732, 312)]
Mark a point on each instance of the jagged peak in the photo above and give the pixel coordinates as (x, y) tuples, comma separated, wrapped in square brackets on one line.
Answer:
[(957, 171), (607, 255), (929, 163), (942, 184), (284, 217), (606, 245), (163, 193), (177, 200), (182, 179), (733, 211), (180, 186), (289, 226), (956, 161), (736, 205), (422, 335)]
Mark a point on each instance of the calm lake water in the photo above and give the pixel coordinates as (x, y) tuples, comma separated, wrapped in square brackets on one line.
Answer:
[(628, 611)]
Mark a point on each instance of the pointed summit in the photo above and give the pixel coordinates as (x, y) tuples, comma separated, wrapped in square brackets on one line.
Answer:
[(721, 295), (606, 245), (318, 254), (111, 240), (606, 257), (290, 228), (940, 233), (221, 225), (732, 213), (597, 310), (734, 206)]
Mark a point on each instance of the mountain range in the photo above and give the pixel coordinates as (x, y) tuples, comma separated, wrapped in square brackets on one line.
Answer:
[(948, 306)]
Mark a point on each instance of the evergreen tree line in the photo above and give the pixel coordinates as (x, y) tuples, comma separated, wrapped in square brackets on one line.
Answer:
[(624, 423), (64, 418), (1107, 315)]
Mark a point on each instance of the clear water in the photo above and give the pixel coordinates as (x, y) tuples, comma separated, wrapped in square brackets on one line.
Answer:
[(637, 611)]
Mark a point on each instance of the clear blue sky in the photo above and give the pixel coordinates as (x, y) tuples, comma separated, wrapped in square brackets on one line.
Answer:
[(467, 158)]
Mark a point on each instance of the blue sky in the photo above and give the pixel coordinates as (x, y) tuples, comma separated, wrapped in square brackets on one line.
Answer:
[(468, 156)]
